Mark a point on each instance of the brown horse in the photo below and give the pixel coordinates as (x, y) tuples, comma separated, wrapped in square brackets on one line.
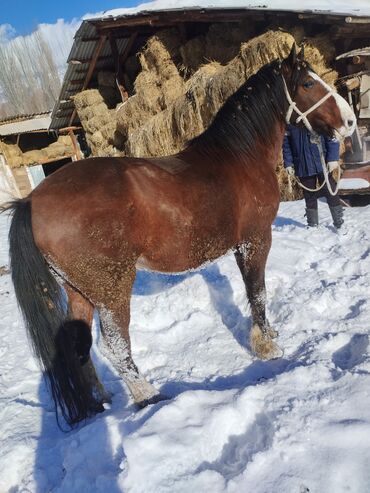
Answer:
[(91, 224)]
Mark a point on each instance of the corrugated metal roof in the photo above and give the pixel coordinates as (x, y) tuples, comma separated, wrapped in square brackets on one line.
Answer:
[(82, 51), (28, 116), (26, 125)]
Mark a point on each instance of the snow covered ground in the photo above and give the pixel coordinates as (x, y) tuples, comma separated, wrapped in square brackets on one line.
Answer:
[(233, 423)]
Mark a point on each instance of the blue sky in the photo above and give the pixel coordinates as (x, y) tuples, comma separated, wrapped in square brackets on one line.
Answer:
[(25, 15)]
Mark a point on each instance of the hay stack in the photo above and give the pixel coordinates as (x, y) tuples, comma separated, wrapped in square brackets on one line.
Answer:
[(157, 86), (97, 120), (205, 93)]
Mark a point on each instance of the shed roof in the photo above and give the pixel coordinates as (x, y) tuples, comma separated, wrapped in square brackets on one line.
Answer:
[(25, 124), (92, 52)]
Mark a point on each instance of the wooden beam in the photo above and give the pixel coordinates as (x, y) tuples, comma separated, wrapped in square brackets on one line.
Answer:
[(75, 144), (90, 70), (67, 129), (173, 18), (87, 60), (119, 60)]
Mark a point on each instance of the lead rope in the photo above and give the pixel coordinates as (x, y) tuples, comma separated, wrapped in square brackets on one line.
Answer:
[(315, 138)]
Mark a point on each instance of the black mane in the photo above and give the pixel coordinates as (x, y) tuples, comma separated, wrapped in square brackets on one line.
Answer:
[(249, 115)]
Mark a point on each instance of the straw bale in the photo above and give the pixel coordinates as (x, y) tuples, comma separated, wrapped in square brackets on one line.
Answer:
[(58, 149), (105, 151), (87, 113), (192, 113), (96, 123), (97, 140), (15, 161), (34, 157), (108, 131), (65, 140), (131, 116), (149, 92), (160, 52), (90, 97), (153, 139), (160, 82), (95, 115), (10, 150), (155, 94)]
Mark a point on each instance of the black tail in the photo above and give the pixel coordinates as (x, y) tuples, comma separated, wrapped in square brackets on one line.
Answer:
[(55, 339)]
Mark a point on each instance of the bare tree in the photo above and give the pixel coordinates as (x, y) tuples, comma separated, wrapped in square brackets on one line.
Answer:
[(29, 79)]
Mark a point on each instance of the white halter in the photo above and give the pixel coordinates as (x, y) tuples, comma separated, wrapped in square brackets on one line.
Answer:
[(303, 115), (315, 136)]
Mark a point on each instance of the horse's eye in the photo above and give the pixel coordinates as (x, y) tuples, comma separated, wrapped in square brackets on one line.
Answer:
[(308, 84)]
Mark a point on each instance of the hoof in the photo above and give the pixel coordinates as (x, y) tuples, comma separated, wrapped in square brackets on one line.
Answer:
[(263, 346), (153, 400), (272, 333), (107, 397)]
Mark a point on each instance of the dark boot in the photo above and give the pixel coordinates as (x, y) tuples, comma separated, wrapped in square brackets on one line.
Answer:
[(312, 217), (337, 215)]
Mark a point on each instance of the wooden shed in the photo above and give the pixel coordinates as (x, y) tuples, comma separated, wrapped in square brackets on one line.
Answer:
[(29, 151)]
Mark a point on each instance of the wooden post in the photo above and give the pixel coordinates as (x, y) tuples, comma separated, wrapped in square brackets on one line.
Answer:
[(75, 145), (119, 60)]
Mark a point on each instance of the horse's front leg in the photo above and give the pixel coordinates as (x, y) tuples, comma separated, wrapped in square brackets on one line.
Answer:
[(251, 258)]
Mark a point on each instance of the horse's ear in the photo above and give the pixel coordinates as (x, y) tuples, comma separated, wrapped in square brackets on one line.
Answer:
[(292, 58), (301, 54)]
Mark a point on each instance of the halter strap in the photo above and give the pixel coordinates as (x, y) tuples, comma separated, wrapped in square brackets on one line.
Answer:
[(315, 136), (303, 115)]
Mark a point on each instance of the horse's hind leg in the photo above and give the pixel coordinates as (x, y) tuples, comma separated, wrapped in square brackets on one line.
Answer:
[(115, 320), (251, 259), (81, 309)]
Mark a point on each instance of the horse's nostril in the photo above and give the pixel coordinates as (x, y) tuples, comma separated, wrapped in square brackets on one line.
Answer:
[(350, 123)]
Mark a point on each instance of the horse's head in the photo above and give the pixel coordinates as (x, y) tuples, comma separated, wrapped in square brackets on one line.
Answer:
[(313, 102)]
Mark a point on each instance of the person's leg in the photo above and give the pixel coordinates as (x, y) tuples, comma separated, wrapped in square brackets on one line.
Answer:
[(336, 209), (311, 200)]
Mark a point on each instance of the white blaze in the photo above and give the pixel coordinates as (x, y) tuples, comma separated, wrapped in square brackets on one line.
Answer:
[(348, 117)]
